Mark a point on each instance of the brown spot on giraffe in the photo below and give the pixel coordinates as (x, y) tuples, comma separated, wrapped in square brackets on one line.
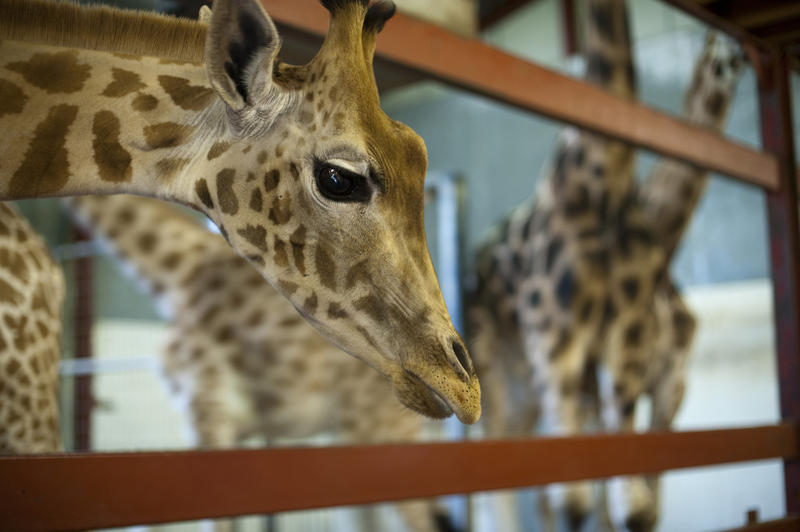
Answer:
[(358, 273), (310, 304), (17, 326), (371, 306), (171, 260), (255, 235), (256, 200), (166, 135), (185, 95), (15, 264), (113, 161), (144, 102), (255, 319), (12, 99), (124, 83), (335, 311), (203, 194), (57, 73), (281, 257), (294, 171), (281, 211), (147, 242), (171, 167), (287, 287), (297, 241), (326, 267), (225, 194), (271, 180), (217, 149), (45, 168)]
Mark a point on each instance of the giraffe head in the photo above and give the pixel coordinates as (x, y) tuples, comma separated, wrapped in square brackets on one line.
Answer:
[(323, 192), (715, 79)]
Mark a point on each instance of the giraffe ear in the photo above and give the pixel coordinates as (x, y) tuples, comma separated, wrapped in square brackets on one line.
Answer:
[(241, 45)]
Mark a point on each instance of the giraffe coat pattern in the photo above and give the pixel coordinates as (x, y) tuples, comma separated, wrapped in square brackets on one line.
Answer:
[(125, 102)]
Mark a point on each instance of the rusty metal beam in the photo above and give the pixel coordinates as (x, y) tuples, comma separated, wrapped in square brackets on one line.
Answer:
[(482, 69), (111, 490), (777, 137), (788, 524)]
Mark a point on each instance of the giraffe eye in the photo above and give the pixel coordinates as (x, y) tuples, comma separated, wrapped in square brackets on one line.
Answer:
[(338, 184)]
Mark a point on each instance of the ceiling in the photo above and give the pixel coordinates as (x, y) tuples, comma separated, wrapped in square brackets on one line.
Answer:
[(776, 22)]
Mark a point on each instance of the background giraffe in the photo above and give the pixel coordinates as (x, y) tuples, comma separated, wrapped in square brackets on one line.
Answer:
[(299, 167), (670, 193), (573, 272), (240, 358), (31, 296)]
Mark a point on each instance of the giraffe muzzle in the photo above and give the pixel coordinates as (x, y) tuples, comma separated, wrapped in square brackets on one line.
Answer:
[(448, 387)]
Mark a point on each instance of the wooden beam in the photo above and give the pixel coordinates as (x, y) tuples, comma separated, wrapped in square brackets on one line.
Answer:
[(482, 69), (113, 490)]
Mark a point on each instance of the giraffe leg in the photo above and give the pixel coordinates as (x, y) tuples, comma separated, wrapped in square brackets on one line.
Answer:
[(491, 354), (631, 502), (559, 360), (485, 348)]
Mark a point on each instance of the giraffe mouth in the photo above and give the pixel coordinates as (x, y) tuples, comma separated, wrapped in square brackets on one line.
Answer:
[(421, 397)]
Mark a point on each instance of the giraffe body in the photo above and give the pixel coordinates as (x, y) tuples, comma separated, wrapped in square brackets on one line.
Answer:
[(31, 296), (240, 358), (573, 292), (300, 169)]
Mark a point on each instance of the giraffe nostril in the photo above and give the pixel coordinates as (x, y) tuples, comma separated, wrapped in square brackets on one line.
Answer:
[(462, 356)]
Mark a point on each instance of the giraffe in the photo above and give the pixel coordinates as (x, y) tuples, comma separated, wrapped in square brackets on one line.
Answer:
[(571, 272), (246, 363), (31, 295), (671, 192), (298, 166)]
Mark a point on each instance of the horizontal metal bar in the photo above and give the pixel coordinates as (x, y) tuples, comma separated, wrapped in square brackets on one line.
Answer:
[(483, 69), (108, 490), (788, 524), (72, 367)]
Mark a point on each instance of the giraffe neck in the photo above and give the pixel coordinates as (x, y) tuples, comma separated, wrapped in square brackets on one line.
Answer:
[(118, 124), (160, 245), (672, 190), (593, 174)]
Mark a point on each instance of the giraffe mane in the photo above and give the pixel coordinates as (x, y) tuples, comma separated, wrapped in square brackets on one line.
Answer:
[(102, 28)]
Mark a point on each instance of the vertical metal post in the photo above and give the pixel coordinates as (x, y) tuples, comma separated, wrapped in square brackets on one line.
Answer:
[(777, 137), (568, 31), (448, 211), (84, 316)]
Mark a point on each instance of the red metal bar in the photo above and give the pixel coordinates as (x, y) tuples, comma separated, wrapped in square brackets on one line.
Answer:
[(110, 490), (569, 33), (777, 137), (483, 69), (84, 317), (788, 524)]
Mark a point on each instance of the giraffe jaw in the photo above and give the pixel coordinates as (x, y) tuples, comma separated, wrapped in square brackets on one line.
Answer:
[(417, 394)]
